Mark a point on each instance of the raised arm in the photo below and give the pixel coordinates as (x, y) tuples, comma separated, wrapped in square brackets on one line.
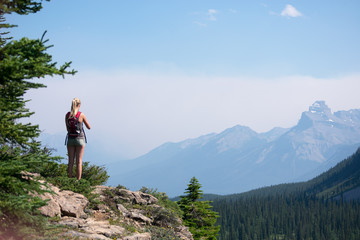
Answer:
[(85, 121), (66, 122)]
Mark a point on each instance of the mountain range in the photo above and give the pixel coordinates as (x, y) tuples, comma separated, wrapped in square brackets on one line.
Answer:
[(240, 159)]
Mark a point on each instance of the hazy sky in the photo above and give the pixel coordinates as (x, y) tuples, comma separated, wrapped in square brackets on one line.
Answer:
[(150, 72)]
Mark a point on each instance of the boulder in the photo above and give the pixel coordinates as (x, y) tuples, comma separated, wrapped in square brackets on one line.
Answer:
[(136, 197), (137, 215), (72, 204), (99, 190), (122, 209), (52, 208), (63, 203)]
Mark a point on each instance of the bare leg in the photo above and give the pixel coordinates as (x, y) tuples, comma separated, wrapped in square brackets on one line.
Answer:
[(71, 154), (79, 156)]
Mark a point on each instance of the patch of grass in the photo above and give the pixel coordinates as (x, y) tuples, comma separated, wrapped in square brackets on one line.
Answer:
[(162, 217), (111, 200), (163, 201), (129, 227), (161, 233), (48, 232)]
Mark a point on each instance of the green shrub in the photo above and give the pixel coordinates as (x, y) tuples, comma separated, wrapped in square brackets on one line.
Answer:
[(56, 174), (92, 175), (95, 175), (121, 187), (79, 186), (164, 217), (160, 233), (164, 200)]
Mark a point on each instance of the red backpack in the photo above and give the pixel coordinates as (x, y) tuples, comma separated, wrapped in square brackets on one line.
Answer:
[(73, 125)]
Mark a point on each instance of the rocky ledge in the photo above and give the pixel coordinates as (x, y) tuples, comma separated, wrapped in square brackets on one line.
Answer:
[(114, 214)]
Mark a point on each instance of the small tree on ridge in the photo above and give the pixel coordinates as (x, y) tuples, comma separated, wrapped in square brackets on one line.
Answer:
[(197, 214)]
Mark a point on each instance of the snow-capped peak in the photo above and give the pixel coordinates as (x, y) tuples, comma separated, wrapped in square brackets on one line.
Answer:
[(319, 107)]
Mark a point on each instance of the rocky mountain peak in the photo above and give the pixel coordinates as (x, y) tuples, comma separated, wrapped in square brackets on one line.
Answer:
[(235, 138), (318, 112), (319, 107)]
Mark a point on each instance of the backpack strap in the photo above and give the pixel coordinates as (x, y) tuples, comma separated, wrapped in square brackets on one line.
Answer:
[(67, 134), (66, 138), (67, 117), (84, 135), (77, 116)]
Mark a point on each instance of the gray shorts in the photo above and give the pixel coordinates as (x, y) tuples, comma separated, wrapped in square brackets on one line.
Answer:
[(76, 142)]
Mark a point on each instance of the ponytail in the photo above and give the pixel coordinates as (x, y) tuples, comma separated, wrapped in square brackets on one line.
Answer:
[(75, 107)]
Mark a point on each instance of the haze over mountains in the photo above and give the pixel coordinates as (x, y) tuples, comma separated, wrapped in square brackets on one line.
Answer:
[(240, 159)]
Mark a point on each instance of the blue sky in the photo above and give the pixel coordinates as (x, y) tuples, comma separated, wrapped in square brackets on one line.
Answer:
[(211, 37), (171, 70)]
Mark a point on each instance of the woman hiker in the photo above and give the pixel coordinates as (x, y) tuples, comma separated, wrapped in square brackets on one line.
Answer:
[(76, 137)]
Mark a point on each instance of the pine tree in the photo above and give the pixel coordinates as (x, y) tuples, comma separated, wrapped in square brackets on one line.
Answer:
[(197, 215), (20, 62)]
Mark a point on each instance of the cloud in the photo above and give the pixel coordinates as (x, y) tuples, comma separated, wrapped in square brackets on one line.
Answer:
[(290, 11), (271, 12), (212, 14), (148, 109), (232, 11), (200, 24)]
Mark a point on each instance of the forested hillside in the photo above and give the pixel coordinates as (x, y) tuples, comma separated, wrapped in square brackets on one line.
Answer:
[(317, 209)]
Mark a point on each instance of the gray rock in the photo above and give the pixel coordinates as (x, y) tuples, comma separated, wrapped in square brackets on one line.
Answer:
[(183, 233), (136, 197), (52, 208), (87, 236), (102, 227), (71, 222), (100, 191), (138, 236), (122, 209), (72, 204), (138, 216), (63, 203)]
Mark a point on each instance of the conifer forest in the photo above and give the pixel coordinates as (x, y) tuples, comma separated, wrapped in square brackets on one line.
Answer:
[(287, 217), (324, 208)]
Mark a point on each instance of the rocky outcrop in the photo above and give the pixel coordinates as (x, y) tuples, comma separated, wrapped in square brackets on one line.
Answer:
[(64, 203), (136, 197), (116, 214)]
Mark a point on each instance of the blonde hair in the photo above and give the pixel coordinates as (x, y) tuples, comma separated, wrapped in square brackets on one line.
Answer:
[(75, 107)]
